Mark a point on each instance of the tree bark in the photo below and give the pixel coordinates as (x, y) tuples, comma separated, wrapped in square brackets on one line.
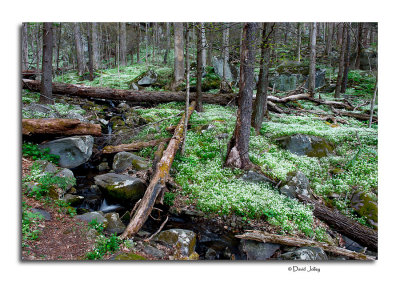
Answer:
[(95, 46), (203, 46), (329, 39), (135, 146), (371, 112), (344, 225), (168, 45), (260, 109), (79, 50), (179, 62), (359, 45), (185, 123), (24, 41), (46, 93), (225, 49), (238, 146), (90, 51), (313, 57), (128, 95), (346, 60), (341, 64), (299, 41), (158, 180), (264, 237), (199, 66), (59, 127)]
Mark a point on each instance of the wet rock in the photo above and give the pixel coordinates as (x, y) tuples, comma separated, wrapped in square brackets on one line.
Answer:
[(306, 145), (125, 160), (114, 224), (211, 254), (183, 240), (258, 251), (297, 184), (90, 216), (305, 253), (73, 151), (103, 166), (46, 215), (120, 187), (73, 200), (364, 205)]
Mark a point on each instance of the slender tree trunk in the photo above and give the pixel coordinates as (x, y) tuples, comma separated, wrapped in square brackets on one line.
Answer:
[(341, 63), (146, 39), (187, 91), (238, 146), (138, 44), (90, 51), (359, 45), (340, 34), (346, 60), (79, 50), (179, 62), (299, 42), (199, 66), (203, 46), (260, 109), (58, 46), (24, 41), (313, 57), (154, 30), (328, 48), (46, 93), (122, 43), (38, 49), (95, 46), (168, 35), (225, 49), (371, 112)]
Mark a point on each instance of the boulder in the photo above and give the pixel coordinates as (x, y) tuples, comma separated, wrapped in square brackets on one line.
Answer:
[(121, 188), (257, 250), (153, 251), (34, 110), (211, 254), (103, 166), (296, 184), (218, 64), (364, 205), (305, 253), (255, 177), (183, 240), (73, 200), (46, 215), (114, 224), (125, 160), (134, 86), (46, 166), (90, 216), (148, 79), (306, 145), (66, 173), (73, 151)]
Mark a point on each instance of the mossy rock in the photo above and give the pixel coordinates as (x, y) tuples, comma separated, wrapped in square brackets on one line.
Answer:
[(183, 240), (365, 206), (117, 121), (308, 145), (129, 256), (126, 160), (210, 82)]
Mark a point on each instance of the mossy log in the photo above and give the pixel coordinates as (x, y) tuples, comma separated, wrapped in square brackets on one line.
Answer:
[(135, 146), (343, 224), (158, 180), (59, 127), (265, 237), (127, 95)]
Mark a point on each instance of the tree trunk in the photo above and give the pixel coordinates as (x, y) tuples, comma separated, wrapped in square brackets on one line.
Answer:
[(38, 49), (146, 39), (90, 51), (135, 146), (313, 57), (199, 67), (128, 95), (95, 46), (157, 182), (168, 35), (24, 52), (203, 46), (344, 225), (46, 94), (59, 127), (58, 46), (359, 45), (179, 62), (264, 237), (329, 39), (79, 50), (371, 115), (225, 49), (238, 146), (299, 42), (346, 60), (341, 64), (260, 109), (138, 61), (187, 91)]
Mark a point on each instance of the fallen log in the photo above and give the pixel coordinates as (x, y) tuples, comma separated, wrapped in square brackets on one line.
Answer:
[(158, 180), (126, 95), (135, 146), (343, 224), (264, 237), (59, 127)]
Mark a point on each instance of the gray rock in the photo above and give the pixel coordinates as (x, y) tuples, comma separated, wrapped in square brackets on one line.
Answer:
[(114, 224), (120, 187), (125, 160), (306, 145), (103, 166), (73, 151), (148, 79), (36, 110), (90, 216), (46, 166), (211, 254), (218, 64), (134, 86), (255, 177), (183, 240), (306, 253), (364, 205), (66, 173), (73, 200), (351, 245), (150, 250), (258, 251), (297, 184), (46, 215)]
